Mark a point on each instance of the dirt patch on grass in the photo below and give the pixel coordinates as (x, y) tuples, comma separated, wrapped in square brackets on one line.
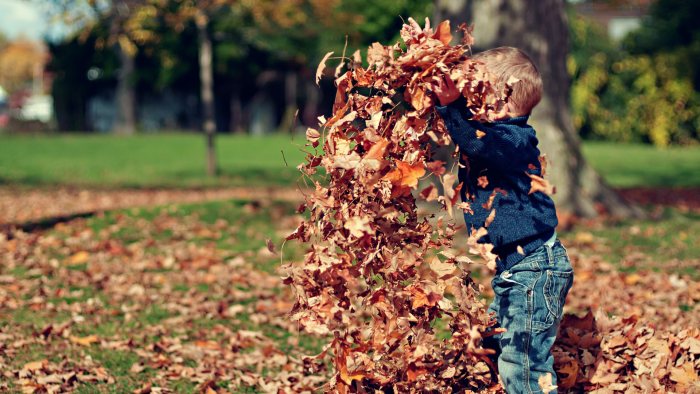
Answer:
[(18, 206)]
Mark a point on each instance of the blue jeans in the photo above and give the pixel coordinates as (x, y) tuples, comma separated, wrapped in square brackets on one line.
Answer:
[(528, 303)]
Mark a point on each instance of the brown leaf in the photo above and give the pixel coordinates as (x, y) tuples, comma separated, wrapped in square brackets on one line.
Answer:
[(78, 258), (567, 375), (312, 135), (35, 365), (84, 341), (436, 167), (430, 193), (545, 383), (207, 345), (270, 245), (483, 181), (321, 67), (684, 375), (405, 176), (490, 218), (442, 33), (540, 184)]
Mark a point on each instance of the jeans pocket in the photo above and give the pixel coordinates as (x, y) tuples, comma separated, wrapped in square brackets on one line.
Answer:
[(555, 290)]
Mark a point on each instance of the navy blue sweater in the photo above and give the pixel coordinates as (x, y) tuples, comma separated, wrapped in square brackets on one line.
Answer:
[(505, 155)]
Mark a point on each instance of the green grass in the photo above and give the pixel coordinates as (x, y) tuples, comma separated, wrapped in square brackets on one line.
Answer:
[(669, 240), (163, 160), (629, 165), (178, 160)]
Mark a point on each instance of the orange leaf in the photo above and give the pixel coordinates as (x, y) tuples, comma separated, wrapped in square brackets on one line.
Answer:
[(35, 365), (321, 67), (684, 376), (490, 218), (540, 184), (405, 176), (85, 341), (567, 375), (78, 258), (207, 345), (442, 33), (378, 150)]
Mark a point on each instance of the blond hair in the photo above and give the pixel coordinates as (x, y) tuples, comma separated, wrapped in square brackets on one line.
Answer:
[(505, 62)]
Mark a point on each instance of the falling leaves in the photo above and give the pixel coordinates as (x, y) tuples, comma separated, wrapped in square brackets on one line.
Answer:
[(321, 67), (367, 244), (540, 184)]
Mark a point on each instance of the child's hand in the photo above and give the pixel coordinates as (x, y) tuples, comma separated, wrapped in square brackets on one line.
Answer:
[(446, 90), (415, 34)]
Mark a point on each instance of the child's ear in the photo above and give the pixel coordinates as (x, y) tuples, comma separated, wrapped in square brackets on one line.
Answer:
[(503, 113)]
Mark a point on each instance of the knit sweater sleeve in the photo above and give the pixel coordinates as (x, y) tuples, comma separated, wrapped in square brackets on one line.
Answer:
[(502, 145)]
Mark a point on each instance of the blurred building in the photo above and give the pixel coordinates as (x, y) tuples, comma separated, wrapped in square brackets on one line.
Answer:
[(618, 17)]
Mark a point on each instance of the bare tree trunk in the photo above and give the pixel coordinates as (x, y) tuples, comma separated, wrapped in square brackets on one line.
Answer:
[(313, 97), (207, 89), (125, 94), (236, 111), (539, 27), (290, 100)]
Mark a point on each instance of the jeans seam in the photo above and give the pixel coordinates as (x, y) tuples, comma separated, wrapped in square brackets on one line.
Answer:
[(528, 339)]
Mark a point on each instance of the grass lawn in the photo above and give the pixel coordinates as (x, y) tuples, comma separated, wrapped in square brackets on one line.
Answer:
[(163, 160), (629, 165), (178, 160)]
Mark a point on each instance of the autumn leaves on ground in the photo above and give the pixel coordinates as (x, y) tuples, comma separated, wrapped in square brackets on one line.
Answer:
[(184, 298)]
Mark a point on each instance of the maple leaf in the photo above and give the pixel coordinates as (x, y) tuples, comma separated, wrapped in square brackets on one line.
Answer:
[(430, 193), (442, 33), (483, 181), (378, 150), (684, 375), (321, 67), (466, 207), (358, 226), (540, 184), (545, 383), (467, 30), (376, 53), (347, 162), (405, 176), (436, 167), (567, 375), (440, 268)]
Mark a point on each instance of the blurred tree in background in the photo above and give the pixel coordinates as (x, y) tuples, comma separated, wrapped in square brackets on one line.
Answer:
[(232, 54), (644, 89), (18, 62)]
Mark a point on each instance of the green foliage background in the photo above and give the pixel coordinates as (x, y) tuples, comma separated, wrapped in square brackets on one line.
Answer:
[(644, 89)]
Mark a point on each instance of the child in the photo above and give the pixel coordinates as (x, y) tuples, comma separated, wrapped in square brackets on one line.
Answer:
[(533, 273)]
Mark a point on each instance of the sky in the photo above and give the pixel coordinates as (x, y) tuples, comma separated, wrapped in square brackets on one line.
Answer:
[(28, 19)]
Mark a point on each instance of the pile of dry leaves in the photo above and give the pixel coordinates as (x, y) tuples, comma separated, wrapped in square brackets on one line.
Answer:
[(364, 278), (360, 280)]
